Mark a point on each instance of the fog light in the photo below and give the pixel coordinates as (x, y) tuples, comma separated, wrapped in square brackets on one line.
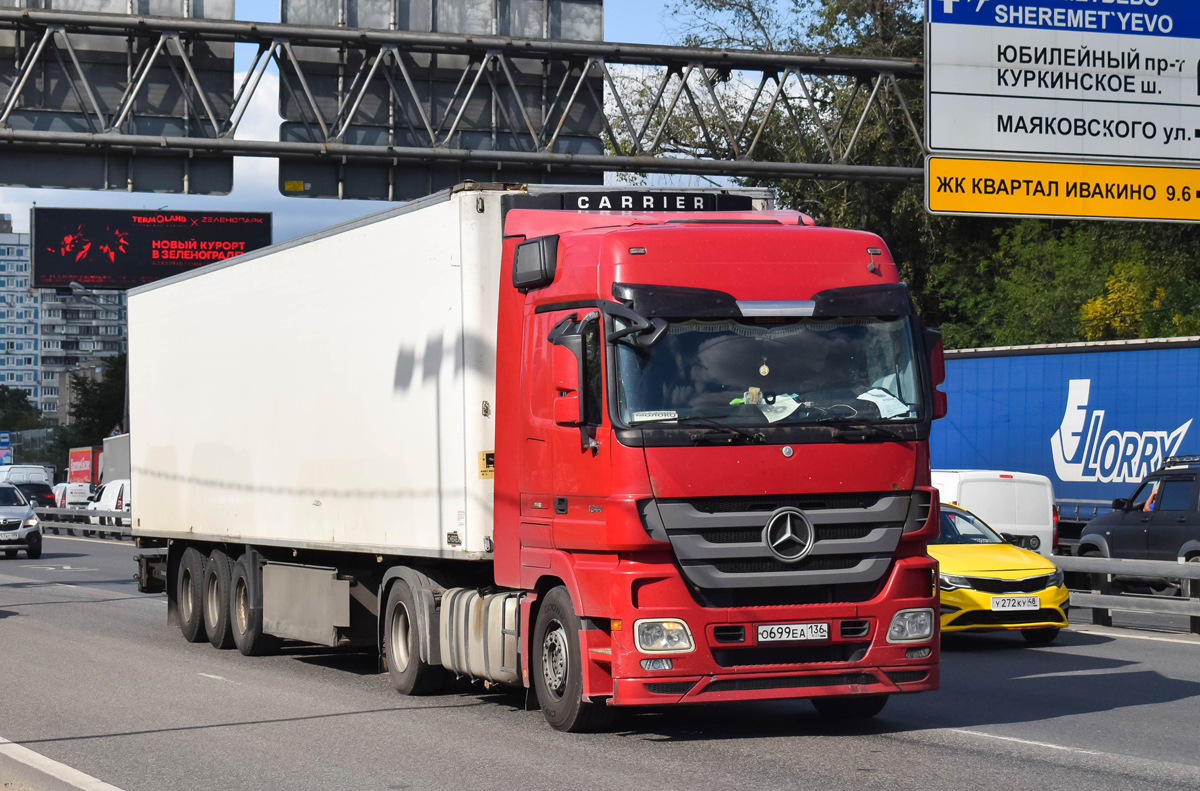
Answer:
[(918, 653), (911, 626), (657, 664), (663, 636)]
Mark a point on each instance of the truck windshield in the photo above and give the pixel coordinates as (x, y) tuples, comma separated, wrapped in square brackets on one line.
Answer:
[(768, 371)]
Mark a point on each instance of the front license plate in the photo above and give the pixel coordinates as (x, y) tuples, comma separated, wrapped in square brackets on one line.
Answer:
[(1002, 603), (792, 632), (9, 536)]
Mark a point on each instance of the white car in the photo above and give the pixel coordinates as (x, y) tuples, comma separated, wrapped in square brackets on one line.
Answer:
[(1017, 504), (112, 496), (19, 526)]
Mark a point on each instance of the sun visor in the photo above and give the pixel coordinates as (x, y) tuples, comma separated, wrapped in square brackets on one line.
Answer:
[(884, 300)]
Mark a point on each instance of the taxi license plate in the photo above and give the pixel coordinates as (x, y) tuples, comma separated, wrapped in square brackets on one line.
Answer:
[(1003, 603), (792, 632)]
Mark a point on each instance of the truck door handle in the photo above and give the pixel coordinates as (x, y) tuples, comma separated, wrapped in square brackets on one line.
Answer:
[(1181, 519), (560, 505), (1145, 519)]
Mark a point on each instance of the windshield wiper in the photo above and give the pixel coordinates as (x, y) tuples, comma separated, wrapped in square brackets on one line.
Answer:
[(851, 424), (703, 422)]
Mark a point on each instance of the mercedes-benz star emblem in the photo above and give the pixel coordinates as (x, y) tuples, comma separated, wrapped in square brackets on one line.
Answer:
[(788, 534)]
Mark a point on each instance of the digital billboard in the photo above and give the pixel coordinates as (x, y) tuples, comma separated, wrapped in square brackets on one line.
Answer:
[(121, 248)]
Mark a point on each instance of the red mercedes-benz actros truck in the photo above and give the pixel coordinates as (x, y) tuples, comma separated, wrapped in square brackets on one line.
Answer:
[(619, 447)]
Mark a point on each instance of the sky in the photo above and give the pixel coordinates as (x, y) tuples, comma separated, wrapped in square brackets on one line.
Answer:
[(255, 179)]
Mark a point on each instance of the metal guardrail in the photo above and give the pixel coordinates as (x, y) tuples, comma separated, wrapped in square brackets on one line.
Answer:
[(1102, 599), (105, 523)]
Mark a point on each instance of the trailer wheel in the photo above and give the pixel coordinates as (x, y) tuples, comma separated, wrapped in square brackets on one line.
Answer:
[(189, 596), (557, 670), (245, 619), (402, 646), (217, 574), (850, 709)]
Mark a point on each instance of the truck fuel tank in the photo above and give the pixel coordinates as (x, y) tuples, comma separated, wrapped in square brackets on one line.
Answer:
[(479, 634)]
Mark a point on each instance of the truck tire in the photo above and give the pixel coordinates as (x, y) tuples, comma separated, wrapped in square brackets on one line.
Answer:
[(245, 620), (189, 595), (558, 670), (217, 574), (402, 646), (851, 708)]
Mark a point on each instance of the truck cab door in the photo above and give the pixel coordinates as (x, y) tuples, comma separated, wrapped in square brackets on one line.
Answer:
[(1175, 509), (579, 440)]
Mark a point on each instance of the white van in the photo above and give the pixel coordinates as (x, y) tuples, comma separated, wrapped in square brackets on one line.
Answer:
[(25, 473), (1017, 503)]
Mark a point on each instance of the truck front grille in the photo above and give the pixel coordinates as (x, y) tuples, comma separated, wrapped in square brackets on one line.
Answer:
[(789, 682), (790, 654), (722, 553)]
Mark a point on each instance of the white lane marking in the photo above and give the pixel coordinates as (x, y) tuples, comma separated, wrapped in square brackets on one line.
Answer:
[(1124, 633), (57, 568), (210, 675), (1047, 745), (1069, 673), (72, 777)]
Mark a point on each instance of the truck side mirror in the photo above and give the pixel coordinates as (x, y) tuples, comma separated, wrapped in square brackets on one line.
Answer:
[(535, 262), (1120, 504), (567, 370), (937, 371)]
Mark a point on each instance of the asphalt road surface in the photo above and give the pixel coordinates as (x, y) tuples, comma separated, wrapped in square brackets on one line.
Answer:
[(93, 679)]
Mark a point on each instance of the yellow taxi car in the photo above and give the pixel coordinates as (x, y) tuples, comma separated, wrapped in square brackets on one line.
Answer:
[(988, 584)]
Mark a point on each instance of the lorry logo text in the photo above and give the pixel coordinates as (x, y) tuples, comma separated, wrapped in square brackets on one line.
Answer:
[(788, 534), (1082, 450)]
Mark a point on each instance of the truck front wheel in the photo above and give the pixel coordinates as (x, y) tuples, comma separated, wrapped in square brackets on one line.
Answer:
[(558, 671), (402, 646), (189, 595)]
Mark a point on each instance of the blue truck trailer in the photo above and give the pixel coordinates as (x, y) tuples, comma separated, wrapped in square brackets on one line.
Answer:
[(1093, 417)]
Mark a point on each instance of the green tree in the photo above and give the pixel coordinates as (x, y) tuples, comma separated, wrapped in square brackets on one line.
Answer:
[(18, 413), (984, 281), (98, 405)]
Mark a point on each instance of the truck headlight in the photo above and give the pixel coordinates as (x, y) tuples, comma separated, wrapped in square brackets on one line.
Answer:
[(911, 626), (950, 582), (663, 636)]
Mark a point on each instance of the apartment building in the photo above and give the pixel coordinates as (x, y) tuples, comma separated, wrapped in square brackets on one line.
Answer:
[(47, 334), (19, 330)]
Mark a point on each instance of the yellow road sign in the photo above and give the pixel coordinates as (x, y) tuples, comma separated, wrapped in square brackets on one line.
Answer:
[(1061, 189)]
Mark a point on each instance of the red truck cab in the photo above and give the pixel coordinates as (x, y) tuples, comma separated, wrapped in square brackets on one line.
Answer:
[(712, 470)]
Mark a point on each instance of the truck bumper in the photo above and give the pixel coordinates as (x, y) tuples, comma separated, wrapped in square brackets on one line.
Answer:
[(857, 659)]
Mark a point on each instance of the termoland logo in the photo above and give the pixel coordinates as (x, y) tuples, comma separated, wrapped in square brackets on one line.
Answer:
[(1083, 452)]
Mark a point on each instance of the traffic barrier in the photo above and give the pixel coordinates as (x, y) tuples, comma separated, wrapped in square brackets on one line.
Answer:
[(1102, 600), (114, 523)]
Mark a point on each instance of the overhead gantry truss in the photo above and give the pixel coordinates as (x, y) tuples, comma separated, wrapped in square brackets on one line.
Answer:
[(392, 96)]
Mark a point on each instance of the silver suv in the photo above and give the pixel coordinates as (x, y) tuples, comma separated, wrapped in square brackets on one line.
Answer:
[(19, 526)]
